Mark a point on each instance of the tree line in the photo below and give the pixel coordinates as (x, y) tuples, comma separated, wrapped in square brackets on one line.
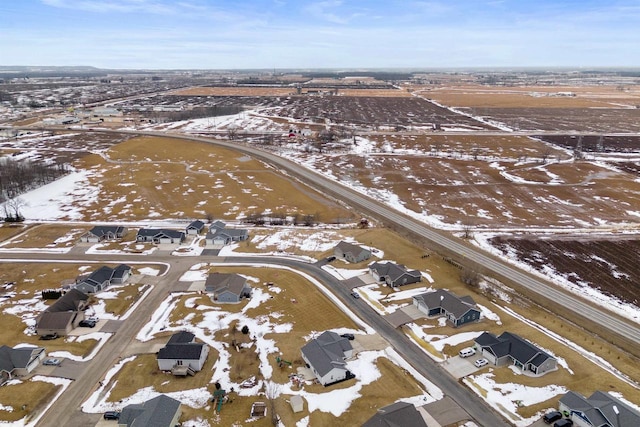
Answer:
[(197, 113), (17, 177)]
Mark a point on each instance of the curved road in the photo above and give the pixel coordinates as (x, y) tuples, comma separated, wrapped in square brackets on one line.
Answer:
[(93, 371), (624, 329), (627, 331)]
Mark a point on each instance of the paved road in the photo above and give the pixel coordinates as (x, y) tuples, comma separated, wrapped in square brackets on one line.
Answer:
[(465, 398), (625, 330), (95, 369), (65, 411)]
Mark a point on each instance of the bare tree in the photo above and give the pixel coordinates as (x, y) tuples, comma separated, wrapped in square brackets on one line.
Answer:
[(467, 228), (470, 277), (272, 391), (13, 208), (545, 153)]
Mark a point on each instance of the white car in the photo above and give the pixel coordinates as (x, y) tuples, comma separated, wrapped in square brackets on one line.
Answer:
[(467, 352), (51, 362), (481, 362)]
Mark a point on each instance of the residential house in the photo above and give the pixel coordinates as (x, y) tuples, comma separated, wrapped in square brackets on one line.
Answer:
[(326, 356), (509, 348), (393, 274), (227, 287), (457, 310), (18, 362), (182, 355), (64, 315), (350, 252), (101, 233), (397, 414), (599, 409), (160, 235), (219, 234), (195, 227), (161, 411), (102, 278)]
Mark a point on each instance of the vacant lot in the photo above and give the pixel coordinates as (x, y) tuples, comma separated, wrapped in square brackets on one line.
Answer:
[(163, 177)]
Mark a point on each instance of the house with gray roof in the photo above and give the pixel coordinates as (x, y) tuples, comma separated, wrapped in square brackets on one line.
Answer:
[(102, 278), (182, 355), (161, 411), (100, 233), (326, 357), (350, 252), (393, 274), (599, 410), (160, 235), (219, 234), (18, 362), (63, 315), (196, 227), (227, 287), (510, 349), (399, 414), (457, 310)]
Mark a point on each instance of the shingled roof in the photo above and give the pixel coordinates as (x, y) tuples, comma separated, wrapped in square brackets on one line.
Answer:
[(512, 345), (17, 358), (451, 303), (598, 409), (326, 352), (157, 412), (399, 414)]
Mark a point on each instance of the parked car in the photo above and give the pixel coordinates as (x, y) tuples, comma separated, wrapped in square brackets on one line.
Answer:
[(467, 352), (51, 362), (87, 323), (331, 258), (565, 422), (350, 337), (481, 362), (355, 295), (111, 415), (551, 417), (48, 337)]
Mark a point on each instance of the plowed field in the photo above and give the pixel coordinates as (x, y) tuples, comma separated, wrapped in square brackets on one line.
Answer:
[(608, 264)]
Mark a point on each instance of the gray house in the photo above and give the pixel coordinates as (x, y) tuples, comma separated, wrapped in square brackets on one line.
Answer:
[(350, 252), (509, 348), (64, 315), (100, 233), (219, 234), (397, 414), (17, 362), (326, 356), (226, 287), (599, 410), (102, 278), (160, 235), (195, 227), (457, 310), (393, 274), (182, 355), (161, 411)]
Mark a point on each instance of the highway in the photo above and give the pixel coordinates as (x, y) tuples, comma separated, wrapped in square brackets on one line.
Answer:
[(625, 330)]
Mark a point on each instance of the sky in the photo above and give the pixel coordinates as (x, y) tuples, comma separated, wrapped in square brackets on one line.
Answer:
[(269, 34)]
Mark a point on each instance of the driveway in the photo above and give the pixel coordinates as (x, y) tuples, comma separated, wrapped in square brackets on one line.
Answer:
[(460, 367)]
